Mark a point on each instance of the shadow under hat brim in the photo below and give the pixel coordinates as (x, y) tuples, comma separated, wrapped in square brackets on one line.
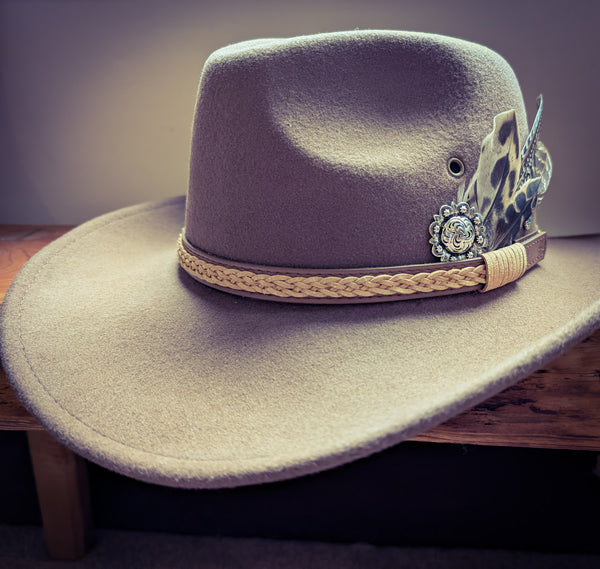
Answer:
[(136, 366)]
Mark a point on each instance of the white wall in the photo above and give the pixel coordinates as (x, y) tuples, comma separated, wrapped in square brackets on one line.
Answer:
[(97, 96)]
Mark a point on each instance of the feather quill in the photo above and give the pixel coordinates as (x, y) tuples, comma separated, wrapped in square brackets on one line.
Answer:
[(530, 146)]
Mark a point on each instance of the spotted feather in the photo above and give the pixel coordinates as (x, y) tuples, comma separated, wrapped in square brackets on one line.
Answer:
[(492, 190), (509, 180)]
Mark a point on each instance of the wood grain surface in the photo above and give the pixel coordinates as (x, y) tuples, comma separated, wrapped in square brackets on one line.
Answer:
[(556, 407)]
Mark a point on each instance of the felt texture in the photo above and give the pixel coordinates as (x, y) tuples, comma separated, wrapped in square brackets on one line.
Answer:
[(143, 370), (331, 150)]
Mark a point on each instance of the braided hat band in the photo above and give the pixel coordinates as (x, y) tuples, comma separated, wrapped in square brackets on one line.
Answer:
[(490, 271)]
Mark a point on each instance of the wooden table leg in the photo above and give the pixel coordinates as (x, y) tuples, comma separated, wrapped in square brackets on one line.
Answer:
[(63, 494)]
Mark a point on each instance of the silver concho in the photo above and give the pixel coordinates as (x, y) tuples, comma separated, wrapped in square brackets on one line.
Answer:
[(457, 233)]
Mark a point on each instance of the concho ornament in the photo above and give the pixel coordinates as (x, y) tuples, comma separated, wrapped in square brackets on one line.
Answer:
[(457, 233)]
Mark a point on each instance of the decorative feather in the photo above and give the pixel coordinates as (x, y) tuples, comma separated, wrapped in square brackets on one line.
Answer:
[(492, 188), (542, 168), (508, 183), (499, 200), (529, 148)]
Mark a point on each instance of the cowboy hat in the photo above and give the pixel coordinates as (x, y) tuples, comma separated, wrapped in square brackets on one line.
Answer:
[(317, 296)]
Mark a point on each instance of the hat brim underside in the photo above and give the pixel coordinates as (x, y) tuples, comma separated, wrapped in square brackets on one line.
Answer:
[(139, 368)]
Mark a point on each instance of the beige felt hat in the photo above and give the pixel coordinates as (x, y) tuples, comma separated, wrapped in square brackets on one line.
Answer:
[(239, 335)]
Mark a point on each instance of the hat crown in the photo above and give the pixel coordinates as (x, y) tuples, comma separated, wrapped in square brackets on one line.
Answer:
[(333, 150)]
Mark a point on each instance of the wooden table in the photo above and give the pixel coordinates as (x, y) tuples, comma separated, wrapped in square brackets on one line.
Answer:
[(557, 407)]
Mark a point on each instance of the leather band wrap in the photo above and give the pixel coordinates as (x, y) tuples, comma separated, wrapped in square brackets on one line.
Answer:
[(504, 266), (373, 284)]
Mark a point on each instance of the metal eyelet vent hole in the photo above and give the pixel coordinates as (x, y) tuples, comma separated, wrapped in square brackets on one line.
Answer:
[(456, 167)]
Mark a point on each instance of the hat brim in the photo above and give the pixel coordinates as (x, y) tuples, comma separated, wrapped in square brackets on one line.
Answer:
[(139, 368)]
